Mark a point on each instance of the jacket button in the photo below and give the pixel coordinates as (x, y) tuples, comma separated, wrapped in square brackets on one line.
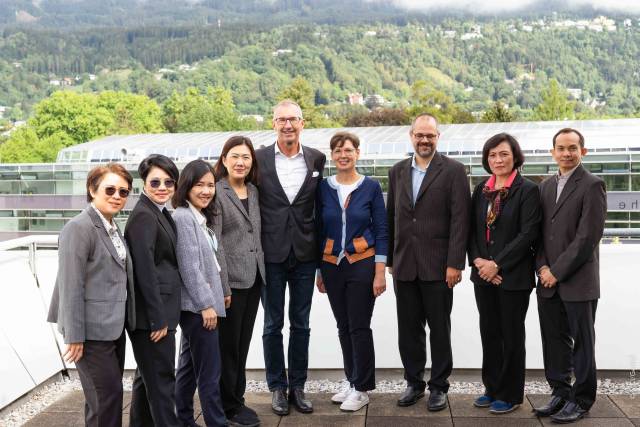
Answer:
[(251, 230), (414, 220), (491, 242)]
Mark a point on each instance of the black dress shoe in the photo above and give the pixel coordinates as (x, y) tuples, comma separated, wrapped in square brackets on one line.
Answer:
[(437, 400), (244, 417), (297, 399), (279, 404), (554, 405), (570, 413), (410, 396)]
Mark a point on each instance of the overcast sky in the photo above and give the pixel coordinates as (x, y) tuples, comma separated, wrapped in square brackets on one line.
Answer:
[(496, 6)]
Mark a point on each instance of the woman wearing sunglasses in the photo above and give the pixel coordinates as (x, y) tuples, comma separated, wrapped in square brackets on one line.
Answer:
[(203, 296), (237, 223), (89, 302), (151, 235)]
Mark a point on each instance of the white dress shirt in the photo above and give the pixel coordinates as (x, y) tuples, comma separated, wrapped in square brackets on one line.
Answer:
[(208, 233), (291, 172)]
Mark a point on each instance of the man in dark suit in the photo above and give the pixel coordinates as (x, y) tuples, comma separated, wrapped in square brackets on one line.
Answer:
[(428, 208), (289, 176), (574, 209), (151, 235)]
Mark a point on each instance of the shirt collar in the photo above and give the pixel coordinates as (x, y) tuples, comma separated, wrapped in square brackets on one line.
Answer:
[(415, 166), (300, 152), (161, 207), (109, 226), (200, 219), (568, 174)]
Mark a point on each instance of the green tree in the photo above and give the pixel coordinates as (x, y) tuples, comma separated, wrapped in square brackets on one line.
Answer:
[(24, 146), (497, 113), (555, 104), (192, 111), (301, 92), (131, 113)]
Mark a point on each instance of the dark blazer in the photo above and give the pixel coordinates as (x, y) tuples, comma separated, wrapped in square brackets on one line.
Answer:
[(151, 237), (94, 292), (571, 232), (238, 233), (513, 235), (286, 225), (427, 238)]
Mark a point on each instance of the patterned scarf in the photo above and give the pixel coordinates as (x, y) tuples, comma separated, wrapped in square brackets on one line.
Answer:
[(496, 198)]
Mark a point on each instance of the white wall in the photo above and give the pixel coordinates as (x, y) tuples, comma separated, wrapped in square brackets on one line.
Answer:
[(29, 355)]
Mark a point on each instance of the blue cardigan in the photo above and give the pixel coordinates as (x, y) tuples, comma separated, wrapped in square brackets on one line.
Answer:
[(361, 228)]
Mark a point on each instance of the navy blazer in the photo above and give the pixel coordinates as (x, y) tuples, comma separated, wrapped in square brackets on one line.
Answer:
[(513, 235)]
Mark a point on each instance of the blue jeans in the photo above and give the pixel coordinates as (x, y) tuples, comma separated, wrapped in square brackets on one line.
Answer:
[(300, 276)]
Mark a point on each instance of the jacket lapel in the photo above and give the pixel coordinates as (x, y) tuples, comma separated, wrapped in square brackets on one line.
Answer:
[(164, 221), (434, 169), (231, 194), (270, 166), (106, 240), (408, 182), (569, 188)]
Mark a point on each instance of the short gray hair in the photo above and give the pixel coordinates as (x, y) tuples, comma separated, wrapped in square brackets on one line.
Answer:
[(285, 103)]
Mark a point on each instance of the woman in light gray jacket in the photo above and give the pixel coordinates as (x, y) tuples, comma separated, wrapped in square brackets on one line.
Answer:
[(203, 296), (237, 225)]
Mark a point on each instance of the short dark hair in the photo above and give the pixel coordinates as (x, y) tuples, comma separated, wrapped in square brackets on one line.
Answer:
[(569, 130), (191, 174), (158, 161), (494, 141), (234, 141), (95, 175), (340, 138), (421, 116)]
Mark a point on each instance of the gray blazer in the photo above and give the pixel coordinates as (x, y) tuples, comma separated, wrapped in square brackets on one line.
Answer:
[(239, 234), (202, 284), (94, 289)]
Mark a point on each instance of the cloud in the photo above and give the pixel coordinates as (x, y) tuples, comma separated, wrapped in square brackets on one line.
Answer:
[(497, 6)]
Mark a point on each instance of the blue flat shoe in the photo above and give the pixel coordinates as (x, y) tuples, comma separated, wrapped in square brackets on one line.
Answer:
[(483, 401), (502, 407)]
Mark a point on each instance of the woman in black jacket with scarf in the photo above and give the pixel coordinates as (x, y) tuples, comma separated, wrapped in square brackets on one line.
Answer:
[(504, 227)]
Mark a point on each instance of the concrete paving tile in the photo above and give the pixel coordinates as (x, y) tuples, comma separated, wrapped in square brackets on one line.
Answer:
[(636, 421), (57, 419), (594, 422), (384, 405), (71, 402), (323, 421), (496, 422), (629, 404), (408, 421), (462, 406)]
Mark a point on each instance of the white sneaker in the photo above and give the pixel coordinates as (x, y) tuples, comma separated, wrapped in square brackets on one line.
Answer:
[(342, 395), (355, 401)]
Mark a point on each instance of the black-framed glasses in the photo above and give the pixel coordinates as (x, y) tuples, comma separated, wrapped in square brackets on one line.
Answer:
[(169, 183), (284, 120), (122, 192)]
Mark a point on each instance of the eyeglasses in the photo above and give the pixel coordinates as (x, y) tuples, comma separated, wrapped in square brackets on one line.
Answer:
[(168, 183), (111, 190), (284, 120), (429, 136), (345, 151)]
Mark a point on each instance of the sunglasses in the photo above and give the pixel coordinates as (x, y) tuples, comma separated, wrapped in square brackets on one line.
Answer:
[(111, 190), (155, 183)]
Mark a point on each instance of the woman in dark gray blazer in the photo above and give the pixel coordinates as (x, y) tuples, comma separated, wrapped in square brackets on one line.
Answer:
[(237, 224), (89, 301), (505, 225), (203, 296)]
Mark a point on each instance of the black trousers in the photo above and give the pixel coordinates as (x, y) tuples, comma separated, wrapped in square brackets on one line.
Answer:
[(100, 370), (568, 344), (153, 391), (236, 330), (502, 330), (350, 291), (198, 367), (419, 303)]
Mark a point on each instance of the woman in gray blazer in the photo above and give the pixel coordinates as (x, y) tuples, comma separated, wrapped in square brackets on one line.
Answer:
[(89, 301), (237, 224), (203, 296)]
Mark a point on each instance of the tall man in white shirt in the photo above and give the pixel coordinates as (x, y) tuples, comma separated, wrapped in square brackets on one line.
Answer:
[(289, 176)]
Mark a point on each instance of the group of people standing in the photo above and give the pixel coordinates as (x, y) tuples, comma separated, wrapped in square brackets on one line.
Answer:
[(261, 221)]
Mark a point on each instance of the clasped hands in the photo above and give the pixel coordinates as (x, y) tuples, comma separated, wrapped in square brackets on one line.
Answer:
[(547, 278), (488, 271)]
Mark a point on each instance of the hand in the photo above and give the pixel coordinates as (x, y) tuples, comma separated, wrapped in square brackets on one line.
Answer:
[(227, 301), (547, 278), (454, 276), (209, 318), (320, 284), (159, 334), (497, 281), (488, 270), (73, 353), (379, 284)]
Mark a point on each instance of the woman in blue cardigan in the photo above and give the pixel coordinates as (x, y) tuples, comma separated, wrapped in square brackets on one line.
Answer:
[(353, 236)]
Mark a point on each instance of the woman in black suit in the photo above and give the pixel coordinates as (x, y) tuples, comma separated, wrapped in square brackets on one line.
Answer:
[(151, 236), (504, 227)]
